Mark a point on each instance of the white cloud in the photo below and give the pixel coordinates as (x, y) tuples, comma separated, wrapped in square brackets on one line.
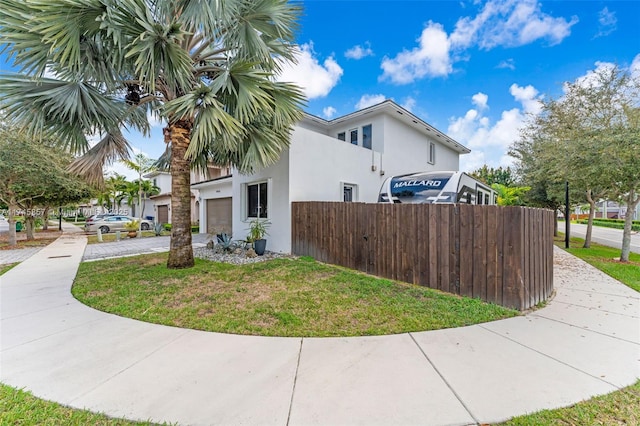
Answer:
[(329, 112), (480, 100), (359, 52), (590, 78), (430, 59), (510, 23), (508, 63), (155, 120), (504, 23), (369, 100), (409, 103), (607, 22), (634, 68), (489, 142), (528, 97), (316, 79)]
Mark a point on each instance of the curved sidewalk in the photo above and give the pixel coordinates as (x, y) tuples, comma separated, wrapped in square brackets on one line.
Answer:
[(585, 342)]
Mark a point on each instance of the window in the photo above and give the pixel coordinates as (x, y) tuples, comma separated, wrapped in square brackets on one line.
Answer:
[(257, 200), (354, 136), (366, 136), (480, 197), (349, 192), (432, 153), (342, 136)]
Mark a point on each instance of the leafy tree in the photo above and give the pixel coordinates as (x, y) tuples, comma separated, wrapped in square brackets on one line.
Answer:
[(34, 177), (489, 175), (510, 195), (205, 67), (589, 137)]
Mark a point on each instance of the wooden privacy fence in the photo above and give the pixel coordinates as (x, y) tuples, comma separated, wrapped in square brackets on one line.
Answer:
[(502, 255)]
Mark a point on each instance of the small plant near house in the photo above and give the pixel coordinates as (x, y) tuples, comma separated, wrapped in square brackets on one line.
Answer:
[(225, 244), (158, 228), (258, 229), (132, 228)]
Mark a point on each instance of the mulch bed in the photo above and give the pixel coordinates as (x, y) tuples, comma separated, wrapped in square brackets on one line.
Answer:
[(42, 238)]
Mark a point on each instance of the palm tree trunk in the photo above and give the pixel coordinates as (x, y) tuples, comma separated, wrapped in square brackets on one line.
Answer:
[(180, 251)]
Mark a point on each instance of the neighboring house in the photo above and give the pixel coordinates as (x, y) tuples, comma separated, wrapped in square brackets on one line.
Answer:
[(613, 210), (161, 203), (345, 159)]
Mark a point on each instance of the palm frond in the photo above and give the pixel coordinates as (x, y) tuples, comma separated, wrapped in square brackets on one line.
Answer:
[(74, 103), (111, 148), (263, 30), (205, 15), (38, 33), (157, 53)]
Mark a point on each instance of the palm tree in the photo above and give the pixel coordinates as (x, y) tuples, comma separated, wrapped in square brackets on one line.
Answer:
[(140, 164), (207, 68), (113, 191), (140, 189)]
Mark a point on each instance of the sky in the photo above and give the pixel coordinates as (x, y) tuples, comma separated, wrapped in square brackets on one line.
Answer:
[(472, 69)]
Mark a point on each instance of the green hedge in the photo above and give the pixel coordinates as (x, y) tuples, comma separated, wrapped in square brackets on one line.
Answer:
[(599, 219), (194, 228), (612, 223)]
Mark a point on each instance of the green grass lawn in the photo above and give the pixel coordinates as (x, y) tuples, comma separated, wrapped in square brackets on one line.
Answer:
[(282, 297), (18, 407), (617, 408), (604, 258), (6, 267)]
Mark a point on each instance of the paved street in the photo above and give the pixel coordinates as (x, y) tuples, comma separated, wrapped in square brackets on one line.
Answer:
[(605, 236)]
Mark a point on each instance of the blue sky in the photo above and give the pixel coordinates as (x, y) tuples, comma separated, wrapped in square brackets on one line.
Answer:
[(472, 69)]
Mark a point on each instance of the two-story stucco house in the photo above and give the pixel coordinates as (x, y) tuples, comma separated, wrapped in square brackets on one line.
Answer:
[(345, 159), (161, 203)]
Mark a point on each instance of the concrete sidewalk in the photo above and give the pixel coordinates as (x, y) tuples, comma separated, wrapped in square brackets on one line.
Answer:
[(585, 342)]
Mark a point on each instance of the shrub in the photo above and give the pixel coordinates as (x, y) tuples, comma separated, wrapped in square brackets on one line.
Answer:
[(612, 223)]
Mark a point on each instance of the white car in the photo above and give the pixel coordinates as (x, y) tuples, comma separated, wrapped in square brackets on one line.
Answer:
[(115, 223)]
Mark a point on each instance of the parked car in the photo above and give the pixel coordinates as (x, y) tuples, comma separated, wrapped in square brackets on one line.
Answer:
[(96, 217), (114, 223)]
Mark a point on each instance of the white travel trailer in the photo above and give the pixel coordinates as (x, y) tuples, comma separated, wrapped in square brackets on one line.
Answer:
[(436, 188)]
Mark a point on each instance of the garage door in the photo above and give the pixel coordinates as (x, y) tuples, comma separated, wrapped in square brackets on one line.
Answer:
[(219, 216), (163, 214)]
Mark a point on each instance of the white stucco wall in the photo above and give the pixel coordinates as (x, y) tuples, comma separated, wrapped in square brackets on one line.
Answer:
[(278, 207), (318, 164), (407, 150)]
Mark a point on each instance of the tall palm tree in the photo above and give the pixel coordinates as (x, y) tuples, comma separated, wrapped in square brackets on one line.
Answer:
[(140, 189), (141, 164), (206, 67)]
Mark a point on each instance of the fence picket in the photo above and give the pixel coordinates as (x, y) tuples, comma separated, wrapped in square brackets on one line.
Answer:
[(500, 255)]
